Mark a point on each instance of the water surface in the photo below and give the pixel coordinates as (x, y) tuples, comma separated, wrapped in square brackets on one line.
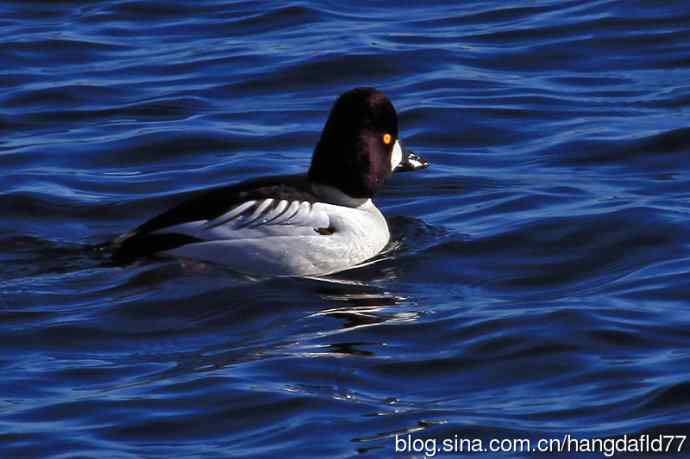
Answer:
[(537, 284)]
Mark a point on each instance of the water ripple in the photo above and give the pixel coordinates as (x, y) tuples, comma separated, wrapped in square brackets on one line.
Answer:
[(536, 284)]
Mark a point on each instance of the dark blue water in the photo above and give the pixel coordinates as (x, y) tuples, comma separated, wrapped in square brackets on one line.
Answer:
[(538, 284)]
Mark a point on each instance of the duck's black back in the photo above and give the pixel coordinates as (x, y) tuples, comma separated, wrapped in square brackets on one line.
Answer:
[(207, 205)]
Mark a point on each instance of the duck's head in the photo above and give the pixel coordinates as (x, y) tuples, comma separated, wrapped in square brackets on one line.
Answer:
[(360, 146)]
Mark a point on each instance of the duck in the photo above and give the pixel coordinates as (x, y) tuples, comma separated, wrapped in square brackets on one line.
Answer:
[(312, 224)]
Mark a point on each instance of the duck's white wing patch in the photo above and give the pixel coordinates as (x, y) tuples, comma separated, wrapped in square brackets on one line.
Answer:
[(234, 215), (258, 219)]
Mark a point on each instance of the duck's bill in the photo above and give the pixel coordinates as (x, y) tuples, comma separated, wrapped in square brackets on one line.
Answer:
[(410, 161)]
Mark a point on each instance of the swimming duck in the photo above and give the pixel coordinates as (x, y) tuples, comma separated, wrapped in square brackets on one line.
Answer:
[(299, 225)]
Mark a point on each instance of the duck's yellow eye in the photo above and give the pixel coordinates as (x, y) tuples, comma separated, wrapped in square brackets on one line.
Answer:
[(387, 138)]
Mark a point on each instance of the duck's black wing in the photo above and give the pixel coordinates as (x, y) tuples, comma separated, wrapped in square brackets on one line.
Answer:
[(150, 237)]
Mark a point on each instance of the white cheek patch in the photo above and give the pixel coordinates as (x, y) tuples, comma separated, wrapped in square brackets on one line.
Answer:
[(396, 155)]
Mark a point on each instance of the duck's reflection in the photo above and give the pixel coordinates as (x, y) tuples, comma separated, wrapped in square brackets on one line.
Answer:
[(365, 309)]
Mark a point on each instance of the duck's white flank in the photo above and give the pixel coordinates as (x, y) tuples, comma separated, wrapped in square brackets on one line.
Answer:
[(281, 238)]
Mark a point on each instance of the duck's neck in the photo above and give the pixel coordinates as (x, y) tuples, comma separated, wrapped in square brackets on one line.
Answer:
[(332, 195)]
